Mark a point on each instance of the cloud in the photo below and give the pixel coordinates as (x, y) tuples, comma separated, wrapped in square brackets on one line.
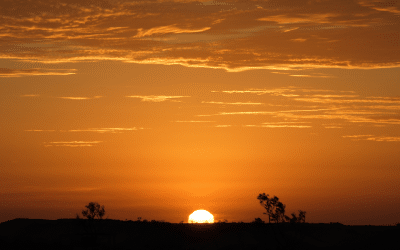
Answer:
[(32, 95), (336, 96), (246, 113), (168, 29), (388, 6), (193, 121), (302, 18), (274, 35), (278, 126), (105, 130), (285, 124), (333, 106), (72, 144), (7, 72), (323, 100), (79, 98), (39, 130), (154, 98), (96, 130), (373, 138), (298, 40), (234, 103), (321, 76), (278, 91)]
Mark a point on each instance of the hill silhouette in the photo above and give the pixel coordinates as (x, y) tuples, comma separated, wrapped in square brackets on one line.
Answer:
[(115, 234)]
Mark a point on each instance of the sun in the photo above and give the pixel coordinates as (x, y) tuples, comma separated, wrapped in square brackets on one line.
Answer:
[(201, 216)]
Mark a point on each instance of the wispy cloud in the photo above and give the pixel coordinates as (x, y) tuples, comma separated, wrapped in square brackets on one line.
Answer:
[(105, 130), (320, 76), (299, 40), (373, 138), (72, 144), (387, 6), (29, 95), (7, 72), (39, 130), (278, 91), (79, 97), (194, 121), (283, 125), (168, 29), (156, 98), (326, 100), (234, 103), (278, 126), (336, 108), (244, 113), (302, 18), (96, 130)]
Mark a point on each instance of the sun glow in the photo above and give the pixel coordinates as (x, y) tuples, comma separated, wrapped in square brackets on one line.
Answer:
[(201, 216)]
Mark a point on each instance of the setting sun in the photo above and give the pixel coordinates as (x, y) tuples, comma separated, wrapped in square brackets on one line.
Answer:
[(201, 216)]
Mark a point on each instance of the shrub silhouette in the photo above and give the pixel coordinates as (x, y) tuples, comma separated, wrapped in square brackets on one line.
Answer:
[(258, 221), (300, 219)]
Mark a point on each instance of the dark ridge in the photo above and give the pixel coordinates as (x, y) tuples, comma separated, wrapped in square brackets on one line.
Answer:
[(115, 234)]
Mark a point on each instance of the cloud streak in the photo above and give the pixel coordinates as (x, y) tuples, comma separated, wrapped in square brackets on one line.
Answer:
[(96, 130), (373, 138), (73, 144), (79, 97), (105, 130), (156, 98), (7, 72), (234, 103)]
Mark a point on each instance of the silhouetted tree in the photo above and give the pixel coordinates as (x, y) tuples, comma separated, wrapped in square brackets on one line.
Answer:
[(302, 216), (279, 215), (275, 208), (94, 214), (266, 202), (93, 211)]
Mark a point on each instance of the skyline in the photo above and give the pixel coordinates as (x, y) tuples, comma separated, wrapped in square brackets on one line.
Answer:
[(156, 109)]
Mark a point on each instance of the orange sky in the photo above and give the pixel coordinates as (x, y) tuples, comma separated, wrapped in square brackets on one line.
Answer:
[(155, 109)]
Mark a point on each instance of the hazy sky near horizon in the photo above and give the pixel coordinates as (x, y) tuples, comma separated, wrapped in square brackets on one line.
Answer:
[(158, 108)]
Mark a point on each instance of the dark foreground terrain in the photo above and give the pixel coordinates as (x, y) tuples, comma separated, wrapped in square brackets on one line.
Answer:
[(114, 234)]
